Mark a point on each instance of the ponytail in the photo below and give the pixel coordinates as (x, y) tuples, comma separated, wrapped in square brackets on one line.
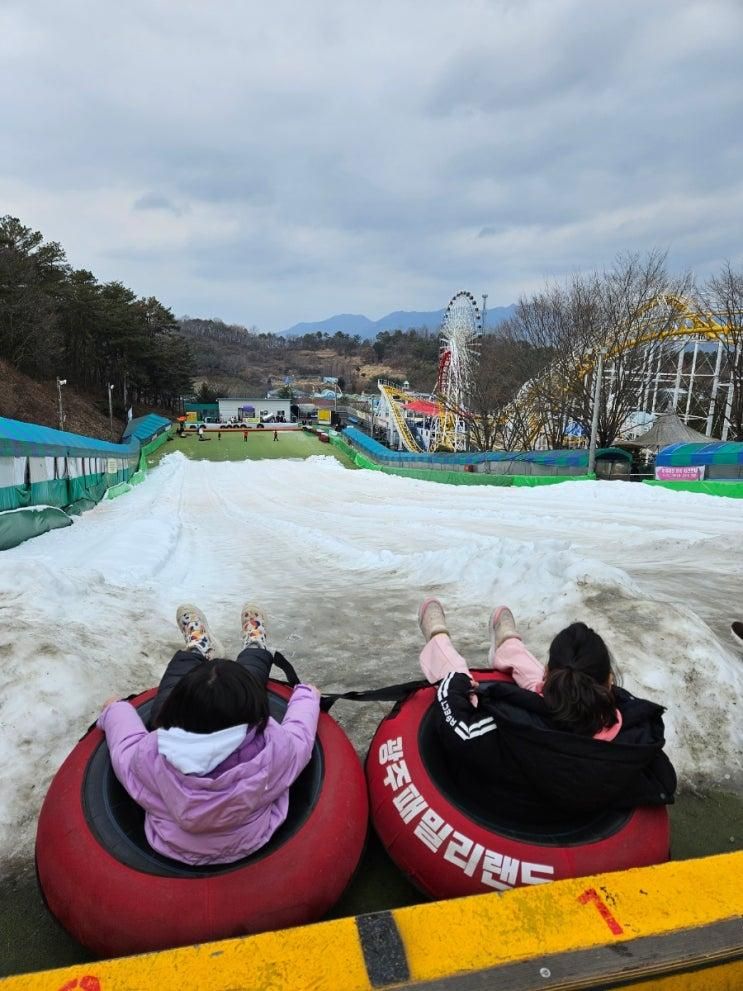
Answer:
[(576, 687)]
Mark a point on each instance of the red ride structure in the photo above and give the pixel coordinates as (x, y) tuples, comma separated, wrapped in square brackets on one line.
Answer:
[(448, 850), (117, 896)]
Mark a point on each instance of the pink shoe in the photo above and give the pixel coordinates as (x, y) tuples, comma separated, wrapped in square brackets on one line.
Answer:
[(431, 619), (502, 627)]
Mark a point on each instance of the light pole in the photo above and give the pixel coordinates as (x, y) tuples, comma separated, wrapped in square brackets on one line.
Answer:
[(595, 416), (110, 410), (60, 383), (484, 310)]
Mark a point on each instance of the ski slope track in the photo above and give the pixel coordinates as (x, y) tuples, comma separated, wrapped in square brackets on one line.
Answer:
[(340, 561)]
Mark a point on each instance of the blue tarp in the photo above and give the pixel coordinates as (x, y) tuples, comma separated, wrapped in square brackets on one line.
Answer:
[(145, 428), (716, 453), (21, 440), (568, 458)]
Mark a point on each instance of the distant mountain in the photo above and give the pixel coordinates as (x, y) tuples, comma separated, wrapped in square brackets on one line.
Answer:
[(356, 323)]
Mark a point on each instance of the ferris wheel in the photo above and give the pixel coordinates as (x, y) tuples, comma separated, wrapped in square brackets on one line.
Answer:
[(461, 331)]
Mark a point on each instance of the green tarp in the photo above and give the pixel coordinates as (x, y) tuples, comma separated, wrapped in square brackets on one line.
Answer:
[(712, 453), (453, 477), (15, 527), (77, 494), (731, 490)]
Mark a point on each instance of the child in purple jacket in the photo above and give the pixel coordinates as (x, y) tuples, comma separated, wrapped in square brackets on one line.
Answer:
[(214, 774)]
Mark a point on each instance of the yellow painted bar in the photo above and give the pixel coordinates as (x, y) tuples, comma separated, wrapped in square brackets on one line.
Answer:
[(560, 917), (446, 938)]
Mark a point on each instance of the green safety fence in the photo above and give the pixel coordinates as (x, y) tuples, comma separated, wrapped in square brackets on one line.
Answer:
[(121, 488), (454, 477), (532, 481), (730, 490), (22, 524), (153, 445), (29, 510)]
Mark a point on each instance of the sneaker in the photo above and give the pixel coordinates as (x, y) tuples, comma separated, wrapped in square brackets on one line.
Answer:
[(737, 631), (192, 624), (253, 624), (431, 619), (502, 626)]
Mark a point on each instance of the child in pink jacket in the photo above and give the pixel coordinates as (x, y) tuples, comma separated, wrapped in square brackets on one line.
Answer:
[(214, 774)]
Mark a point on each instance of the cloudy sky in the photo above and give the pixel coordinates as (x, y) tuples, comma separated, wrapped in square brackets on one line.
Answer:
[(284, 161)]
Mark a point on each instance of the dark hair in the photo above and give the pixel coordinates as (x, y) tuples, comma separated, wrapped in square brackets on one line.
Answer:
[(576, 688), (213, 696)]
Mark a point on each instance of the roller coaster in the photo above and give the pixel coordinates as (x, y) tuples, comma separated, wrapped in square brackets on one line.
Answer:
[(461, 331), (678, 357)]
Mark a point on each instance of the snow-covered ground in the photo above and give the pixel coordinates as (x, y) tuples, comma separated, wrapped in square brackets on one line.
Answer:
[(340, 560)]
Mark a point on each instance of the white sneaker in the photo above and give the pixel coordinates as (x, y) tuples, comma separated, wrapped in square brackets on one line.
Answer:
[(253, 624), (192, 624)]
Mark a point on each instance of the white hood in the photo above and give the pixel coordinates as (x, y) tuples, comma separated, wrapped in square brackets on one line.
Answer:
[(199, 753)]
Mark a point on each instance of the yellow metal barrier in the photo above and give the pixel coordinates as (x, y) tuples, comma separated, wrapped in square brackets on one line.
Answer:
[(674, 927)]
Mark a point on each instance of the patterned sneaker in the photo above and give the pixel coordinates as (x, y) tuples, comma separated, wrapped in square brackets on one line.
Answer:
[(253, 624), (192, 624), (431, 619), (502, 626)]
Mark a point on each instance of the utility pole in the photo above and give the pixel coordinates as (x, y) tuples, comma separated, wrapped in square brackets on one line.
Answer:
[(60, 383), (110, 410), (595, 416)]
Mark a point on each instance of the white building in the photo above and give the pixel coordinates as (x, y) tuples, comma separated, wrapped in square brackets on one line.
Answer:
[(255, 410)]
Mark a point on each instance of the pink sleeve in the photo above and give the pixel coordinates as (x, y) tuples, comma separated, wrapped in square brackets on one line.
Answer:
[(124, 731)]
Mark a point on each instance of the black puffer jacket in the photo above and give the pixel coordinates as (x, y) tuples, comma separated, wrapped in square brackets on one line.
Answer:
[(508, 754)]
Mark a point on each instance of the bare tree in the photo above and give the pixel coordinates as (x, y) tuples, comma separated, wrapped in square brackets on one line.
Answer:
[(627, 312), (722, 296)]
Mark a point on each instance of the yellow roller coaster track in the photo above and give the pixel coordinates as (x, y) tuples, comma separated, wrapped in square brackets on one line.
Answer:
[(394, 397), (690, 322)]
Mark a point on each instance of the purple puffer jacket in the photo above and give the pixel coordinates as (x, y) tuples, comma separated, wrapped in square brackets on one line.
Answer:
[(228, 812)]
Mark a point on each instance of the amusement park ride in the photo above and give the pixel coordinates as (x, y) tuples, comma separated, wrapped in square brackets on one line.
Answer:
[(461, 331), (682, 359)]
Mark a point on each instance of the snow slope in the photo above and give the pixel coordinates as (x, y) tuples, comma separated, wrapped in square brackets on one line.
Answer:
[(340, 561)]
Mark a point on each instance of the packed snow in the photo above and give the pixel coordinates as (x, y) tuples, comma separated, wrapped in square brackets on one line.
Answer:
[(340, 561)]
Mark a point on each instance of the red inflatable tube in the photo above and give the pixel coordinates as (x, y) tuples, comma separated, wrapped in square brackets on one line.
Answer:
[(114, 909), (447, 852)]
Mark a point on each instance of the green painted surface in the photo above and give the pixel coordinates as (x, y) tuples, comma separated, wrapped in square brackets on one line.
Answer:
[(260, 444)]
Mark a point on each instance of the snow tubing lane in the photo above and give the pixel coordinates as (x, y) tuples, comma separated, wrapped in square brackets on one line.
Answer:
[(448, 850), (115, 895)]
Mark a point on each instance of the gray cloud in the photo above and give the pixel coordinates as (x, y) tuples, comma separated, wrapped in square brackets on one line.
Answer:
[(282, 162), (156, 201)]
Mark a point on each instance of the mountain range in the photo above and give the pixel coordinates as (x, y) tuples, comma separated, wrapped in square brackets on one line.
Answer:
[(357, 323)]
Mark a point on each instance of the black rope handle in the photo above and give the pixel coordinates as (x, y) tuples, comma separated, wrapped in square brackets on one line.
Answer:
[(292, 678), (390, 693)]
